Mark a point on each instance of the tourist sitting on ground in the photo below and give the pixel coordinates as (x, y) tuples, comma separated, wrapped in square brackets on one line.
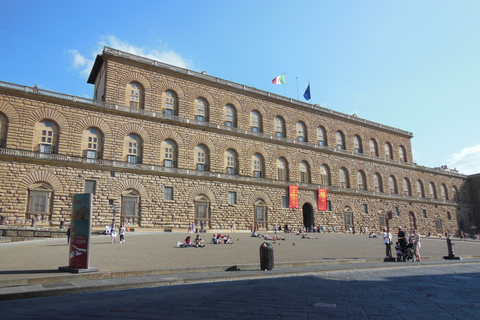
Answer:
[(188, 242), (305, 236), (254, 234), (219, 239), (198, 242), (372, 235), (214, 239), (227, 239)]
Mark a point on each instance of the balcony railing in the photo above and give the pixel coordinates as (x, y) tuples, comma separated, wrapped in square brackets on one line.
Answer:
[(204, 124), (110, 165)]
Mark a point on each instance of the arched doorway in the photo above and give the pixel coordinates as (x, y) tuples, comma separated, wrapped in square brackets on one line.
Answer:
[(308, 219), (261, 214), (202, 212), (412, 220), (349, 222)]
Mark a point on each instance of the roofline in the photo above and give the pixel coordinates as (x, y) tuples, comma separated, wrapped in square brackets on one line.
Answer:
[(128, 56)]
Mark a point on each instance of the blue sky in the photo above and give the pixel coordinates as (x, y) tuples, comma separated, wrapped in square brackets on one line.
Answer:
[(410, 64)]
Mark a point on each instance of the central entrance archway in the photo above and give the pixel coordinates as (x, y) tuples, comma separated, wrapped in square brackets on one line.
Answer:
[(308, 220)]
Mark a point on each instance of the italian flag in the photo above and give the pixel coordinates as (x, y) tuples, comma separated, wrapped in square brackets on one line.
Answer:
[(279, 80)]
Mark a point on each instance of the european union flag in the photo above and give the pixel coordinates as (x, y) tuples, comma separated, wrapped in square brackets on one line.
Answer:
[(306, 95)]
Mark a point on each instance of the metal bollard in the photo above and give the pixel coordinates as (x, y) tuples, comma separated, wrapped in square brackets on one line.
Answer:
[(266, 256), (451, 255)]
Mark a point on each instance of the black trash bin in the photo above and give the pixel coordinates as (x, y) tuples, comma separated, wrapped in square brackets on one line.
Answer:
[(266, 256)]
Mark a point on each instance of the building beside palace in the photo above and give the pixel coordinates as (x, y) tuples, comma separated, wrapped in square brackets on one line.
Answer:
[(161, 146)]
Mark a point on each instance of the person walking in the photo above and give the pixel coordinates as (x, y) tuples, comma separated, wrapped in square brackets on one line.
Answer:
[(387, 240), (122, 233), (416, 245), (68, 233), (113, 233), (402, 238)]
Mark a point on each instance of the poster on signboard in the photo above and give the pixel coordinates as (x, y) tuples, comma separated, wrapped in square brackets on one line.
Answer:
[(81, 220)]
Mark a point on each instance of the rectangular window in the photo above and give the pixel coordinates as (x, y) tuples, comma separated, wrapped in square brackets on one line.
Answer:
[(255, 129), (329, 205), (438, 224), (168, 163), (424, 213), (232, 197), (91, 154), (130, 206), (90, 186), (131, 159), (365, 208), (168, 193), (257, 174), (397, 211), (45, 148), (285, 202), (112, 174), (38, 201)]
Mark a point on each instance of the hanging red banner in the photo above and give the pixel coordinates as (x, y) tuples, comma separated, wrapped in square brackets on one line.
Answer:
[(322, 199), (293, 193)]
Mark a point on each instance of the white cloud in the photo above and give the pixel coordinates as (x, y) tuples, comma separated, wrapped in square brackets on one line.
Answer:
[(84, 65), (466, 161)]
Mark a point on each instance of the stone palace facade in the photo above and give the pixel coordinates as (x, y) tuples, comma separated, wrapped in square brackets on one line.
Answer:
[(161, 147)]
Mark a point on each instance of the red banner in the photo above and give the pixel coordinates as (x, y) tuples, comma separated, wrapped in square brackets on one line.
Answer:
[(293, 193), (322, 199)]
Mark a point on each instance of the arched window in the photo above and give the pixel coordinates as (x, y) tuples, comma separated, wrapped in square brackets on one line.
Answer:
[(433, 191), (377, 180), (282, 167), (201, 106), (130, 207), (132, 148), (388, 151), (455, 194), (444, 192), (325, 174), (407, 189), (260, 214), (258, 166), (230, 159), (201, 158), (256, 121), (135, 93), (46, 137), (301, 131), (373, 148), (392, 182), (170, 103), (420, 190), (3, 131), (169, 154), (230, 116), (402, 154), (357, 141), (304, 172), (344, 178), (340, 140), (321, 136), (280, 127), (92, 143), (362, 181)]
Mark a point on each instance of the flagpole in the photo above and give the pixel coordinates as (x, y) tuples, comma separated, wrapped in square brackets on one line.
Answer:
[(297, 90)]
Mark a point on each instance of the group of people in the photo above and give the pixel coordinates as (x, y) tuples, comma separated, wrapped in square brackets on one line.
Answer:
[(219, 239), (197, 242), (112, 231), (192, 228), (401, 244)]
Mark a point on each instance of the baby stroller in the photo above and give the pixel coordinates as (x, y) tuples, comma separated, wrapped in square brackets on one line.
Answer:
[(409, 253)]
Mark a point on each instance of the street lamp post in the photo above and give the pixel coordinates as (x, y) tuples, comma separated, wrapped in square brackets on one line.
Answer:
[(114, 208)]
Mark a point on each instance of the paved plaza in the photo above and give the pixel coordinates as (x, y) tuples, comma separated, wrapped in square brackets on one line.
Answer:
[(337, 276)]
